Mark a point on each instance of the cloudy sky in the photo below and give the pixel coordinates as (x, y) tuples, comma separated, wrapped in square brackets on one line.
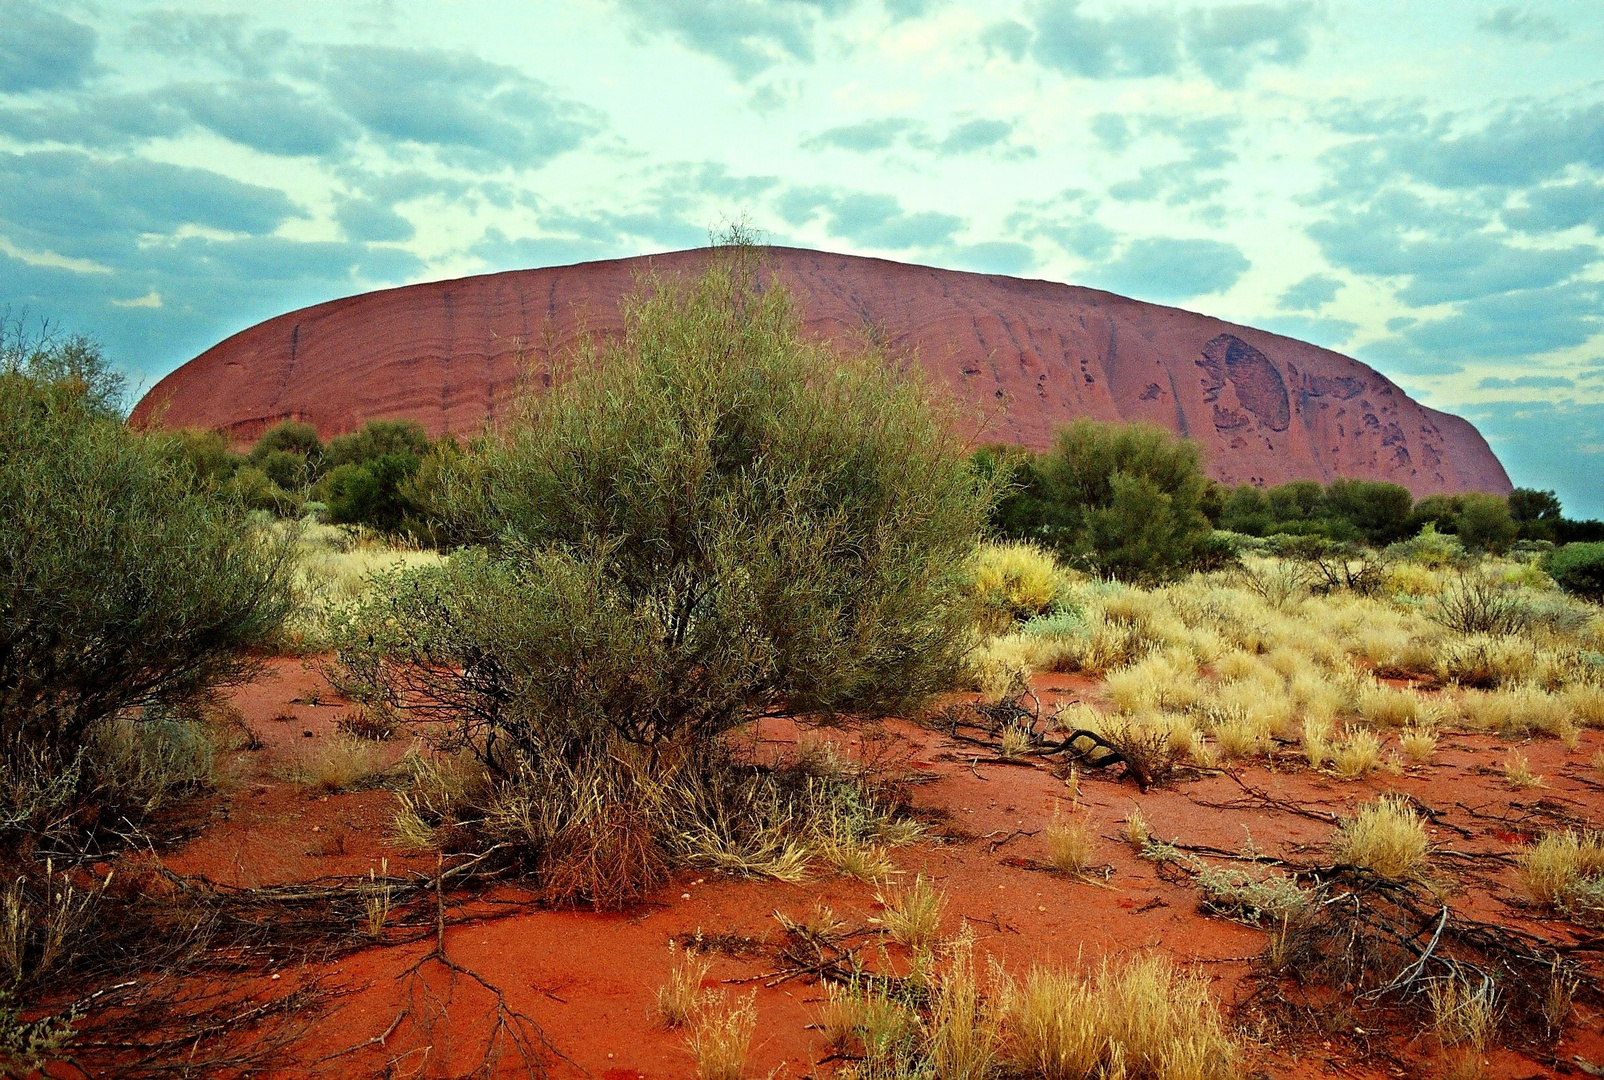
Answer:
[(1419, 183)]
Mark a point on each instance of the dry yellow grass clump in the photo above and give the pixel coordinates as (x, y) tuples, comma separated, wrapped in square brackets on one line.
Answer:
[(680, 997), (334, 570), (1139, 1017), (912, 916), (1518, 772), (1386, 837), (721, 1036), (1220, 654), (1418, 743), (1070, 843), (1014, 582), (1565, 868)]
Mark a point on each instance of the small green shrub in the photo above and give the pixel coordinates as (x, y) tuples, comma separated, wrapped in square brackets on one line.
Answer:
[(1579, 569), (1124, 499)]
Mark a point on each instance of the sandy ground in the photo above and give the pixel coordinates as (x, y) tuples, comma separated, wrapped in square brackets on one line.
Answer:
[(589, 980)]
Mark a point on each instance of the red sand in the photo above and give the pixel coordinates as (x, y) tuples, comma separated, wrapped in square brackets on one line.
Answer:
[(1024, 356), (590, 979)]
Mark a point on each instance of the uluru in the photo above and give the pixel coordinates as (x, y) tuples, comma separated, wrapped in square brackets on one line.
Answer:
[(1027, 355)]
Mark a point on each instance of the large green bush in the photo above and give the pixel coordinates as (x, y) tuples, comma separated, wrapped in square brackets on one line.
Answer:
[(127, 587), (1125, 499), (709, 520)]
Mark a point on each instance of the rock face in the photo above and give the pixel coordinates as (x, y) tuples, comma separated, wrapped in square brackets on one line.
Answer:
[(1028, 355)]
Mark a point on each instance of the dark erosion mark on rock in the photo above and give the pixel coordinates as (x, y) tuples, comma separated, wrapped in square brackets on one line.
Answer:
[(1258, 385)]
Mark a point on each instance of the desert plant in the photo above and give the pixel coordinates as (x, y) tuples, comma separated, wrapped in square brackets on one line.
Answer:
[(1357, 755), (1518, 772), (1418, 743), (1484, 523), (343, 763), (1250, 897), (680, 998), (376, 900), (1070, 843), (721, 1036), (963, 1037), (1125, 499), (708, 521), (863, 1018), (1564, 868), (1386, 837), (1136, 830), (1014, 582), (1138, 1018), (912, 916), (27, 1046), (1578, 568), (1476, 603), (1463, 1009), (132, 591)]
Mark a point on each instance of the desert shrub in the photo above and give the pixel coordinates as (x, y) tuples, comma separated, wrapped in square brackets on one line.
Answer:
[(377, 439), (254, 489), (1125, 499), (208, 455), (1566, 870), (1330, 565), (721, 1035), (1477, 603), (1485, 523), (130, 591), (1018, 512), (1386, 837), (1429, 548), (371, 492), (1377, 510), (1014, 582), (708, 521), (912, 916), (1579, 569), (290, 437), (372, 476), (1139, 1018), (1536, 513)]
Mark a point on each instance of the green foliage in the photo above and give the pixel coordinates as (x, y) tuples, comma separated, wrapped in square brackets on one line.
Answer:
[(387, 477), (71, 361), (290, 437), (1379, 511), (711, 520), (281, 467), (1578, 568), (1429, 548), (1535, 512), (1485, 523), (207, 455), (27, 1046), (256, 491), (129, 589), (1018, 512), (1481, 522), (1247, 509), (372, 492), (1124, 499), (291, 472), (379, 439)]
